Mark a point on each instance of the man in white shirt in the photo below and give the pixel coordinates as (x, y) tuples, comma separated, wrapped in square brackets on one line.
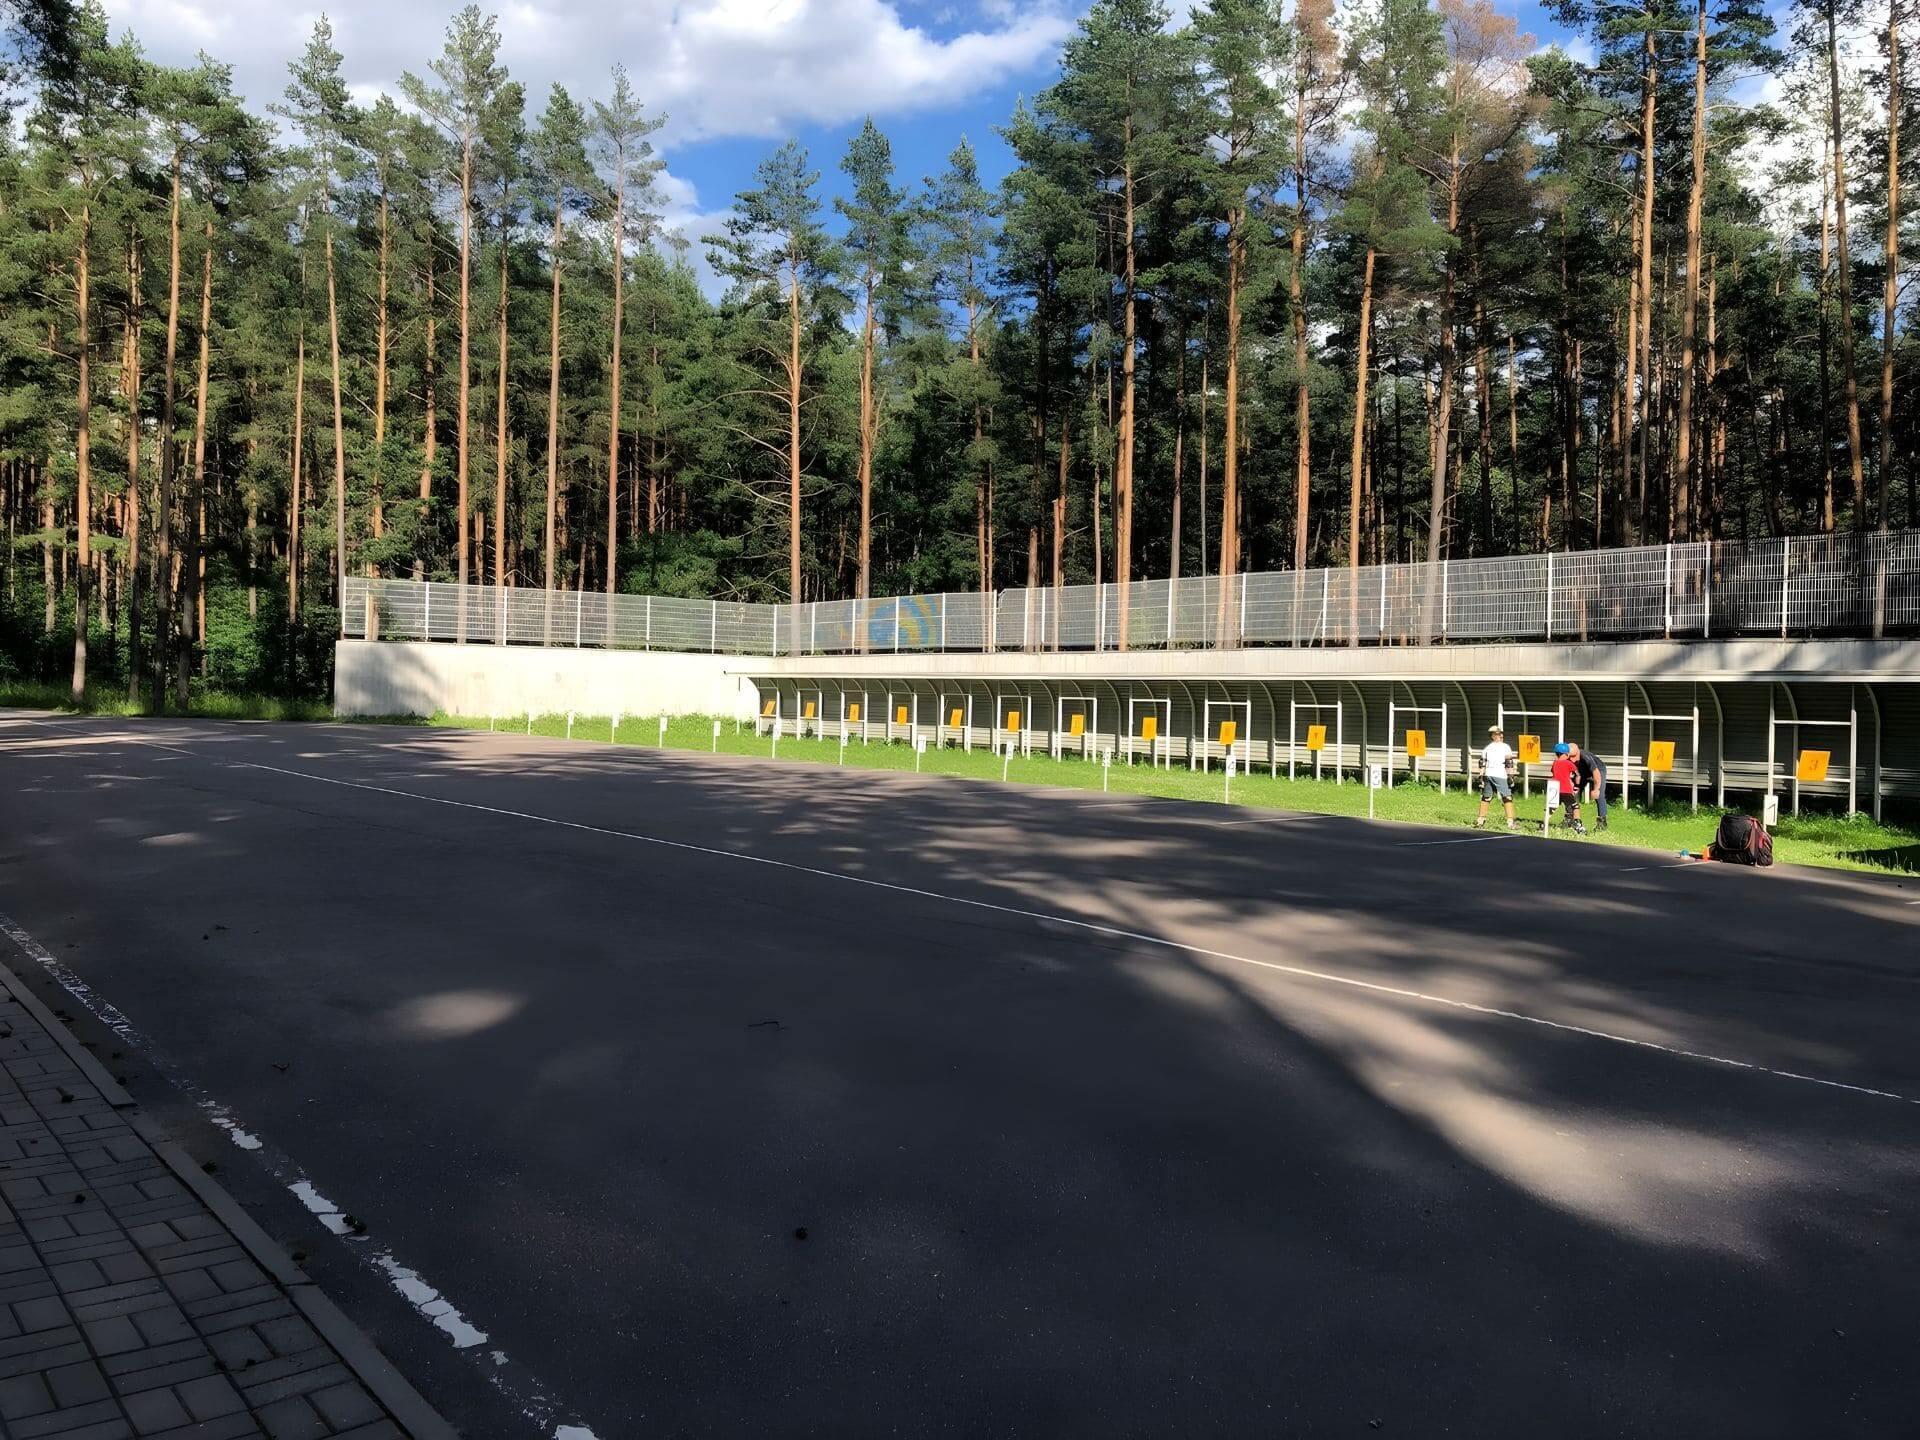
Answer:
[(1496, 765)]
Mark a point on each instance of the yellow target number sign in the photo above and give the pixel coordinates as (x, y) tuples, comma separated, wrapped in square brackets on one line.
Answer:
[(1660, 756), (853, 714), (1416, 744), (1229, 732), (1813, 766), (1529, 749), (900, 715), (1076, 725), (1013, 720), (1316, 737), (953, 720), (1150, 727)]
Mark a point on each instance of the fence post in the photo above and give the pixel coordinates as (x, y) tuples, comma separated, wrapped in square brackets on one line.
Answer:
[(713, 623), (1706, 594), (1100, 618), (1549, 594), (579, 609), (1446, 597), (1669, 625), (649, 638), (426, 612), (1786, 543), (1384, 572), (813, 626), (1172, 585), (943, 621), (896, 624), (1240, 637), (500, 614)]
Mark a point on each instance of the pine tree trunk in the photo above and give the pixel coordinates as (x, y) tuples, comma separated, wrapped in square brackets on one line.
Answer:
[(1179, 448), (1681, 524), (429, 432), (1891, 282), (164, 638), (500, 435), (1361, 368), (1123, 469), (82, 446), (339, 430), (869, 427), (553, 420), (1849, 379), (613, 398), (296, 481), (1826, 349), (130, 385), (382, 331), (193, 631), (466, 378), (1227, 605), (1298, 306), (793, 443)]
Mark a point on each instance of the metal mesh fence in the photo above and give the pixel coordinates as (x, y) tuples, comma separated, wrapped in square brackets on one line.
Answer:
[(1851, 584)]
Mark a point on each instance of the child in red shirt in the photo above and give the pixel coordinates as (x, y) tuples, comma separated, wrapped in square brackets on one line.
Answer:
[(1566, 776)]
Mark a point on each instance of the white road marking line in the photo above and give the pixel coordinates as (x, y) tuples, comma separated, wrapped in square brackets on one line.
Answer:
[(1462, 840), (1112, 931), (430, 1303)]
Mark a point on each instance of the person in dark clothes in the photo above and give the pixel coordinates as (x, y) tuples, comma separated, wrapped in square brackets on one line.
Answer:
[(1591, 773)]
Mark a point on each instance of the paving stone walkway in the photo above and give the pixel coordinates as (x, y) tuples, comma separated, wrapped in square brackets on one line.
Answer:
[(128, 1306)]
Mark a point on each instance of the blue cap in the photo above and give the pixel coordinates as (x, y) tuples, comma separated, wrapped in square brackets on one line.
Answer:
[(1561, 749)]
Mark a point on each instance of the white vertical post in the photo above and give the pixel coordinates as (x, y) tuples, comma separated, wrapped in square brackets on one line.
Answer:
[(1416, 763), (1240, 636), (1785, 543), (896, 624), (773, 628), (1026, 621), (649, 640), (1706, 594), (1626, 767), (713, 626), (1853, 748), (1443, 742), (1693, 790), (1339, 736), (1100, 618), (943, 622), (426, 612), (1549, 595), (1772, 727), (1172, 585), (500, 614), (1669, 626), (1445, 598), (1293, 729)]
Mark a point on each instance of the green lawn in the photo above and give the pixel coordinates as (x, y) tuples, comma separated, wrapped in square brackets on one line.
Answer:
[(1853, 843)]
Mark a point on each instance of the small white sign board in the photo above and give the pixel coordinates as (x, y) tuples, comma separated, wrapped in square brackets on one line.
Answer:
[(1553, 794), (1770, 812), (1376, 777), (920, 746), (1233, 762)]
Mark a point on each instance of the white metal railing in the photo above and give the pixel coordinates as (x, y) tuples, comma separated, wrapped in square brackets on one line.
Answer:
[(1850, 584)]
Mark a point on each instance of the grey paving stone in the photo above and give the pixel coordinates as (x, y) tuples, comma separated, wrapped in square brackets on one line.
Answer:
[(293, 1419), (344, 1406), (80, 1384), (156, 1410), (101, 1418), (114, 1335)]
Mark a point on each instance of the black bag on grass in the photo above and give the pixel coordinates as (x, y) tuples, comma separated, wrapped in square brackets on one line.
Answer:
[(1742, 840)]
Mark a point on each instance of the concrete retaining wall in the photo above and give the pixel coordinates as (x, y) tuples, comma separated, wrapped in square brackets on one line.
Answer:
[(411, 678)]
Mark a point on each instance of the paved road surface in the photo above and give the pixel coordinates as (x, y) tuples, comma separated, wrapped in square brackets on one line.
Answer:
[(727, 1097)]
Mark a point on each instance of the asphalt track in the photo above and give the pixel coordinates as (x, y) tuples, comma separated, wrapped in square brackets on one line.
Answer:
[(1098, 1116)]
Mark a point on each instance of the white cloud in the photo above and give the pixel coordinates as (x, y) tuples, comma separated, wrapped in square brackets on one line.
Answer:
[(715, 67)]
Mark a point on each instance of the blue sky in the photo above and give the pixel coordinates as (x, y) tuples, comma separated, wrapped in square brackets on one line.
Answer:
[(734, 76)]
